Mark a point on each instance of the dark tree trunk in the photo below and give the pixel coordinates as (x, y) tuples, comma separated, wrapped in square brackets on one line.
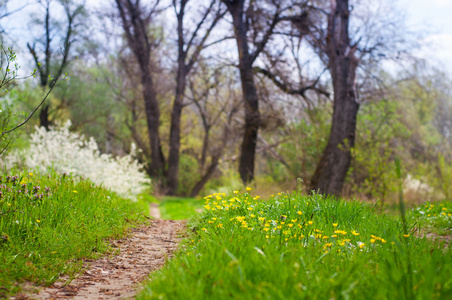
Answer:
[(331, 171), (135, 26), (252, 116), (153, 122), (174, 151), (44, 116), (186, 59)]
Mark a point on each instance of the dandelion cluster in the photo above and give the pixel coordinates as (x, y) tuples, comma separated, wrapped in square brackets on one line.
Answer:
[(69, 153), (283, 220), (440, 213)]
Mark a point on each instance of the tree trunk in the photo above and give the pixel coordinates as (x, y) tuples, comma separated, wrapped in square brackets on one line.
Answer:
[(153, 121), (44, 116), (252, 116), (173, 159), (200, 184), (331, 171)]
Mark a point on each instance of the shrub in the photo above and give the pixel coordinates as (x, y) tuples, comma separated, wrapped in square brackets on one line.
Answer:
[(68, 152)]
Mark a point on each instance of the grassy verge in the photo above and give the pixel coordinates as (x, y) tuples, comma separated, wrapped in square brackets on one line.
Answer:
[(176, 208), (49, 223), (434, 217), (301, 247)]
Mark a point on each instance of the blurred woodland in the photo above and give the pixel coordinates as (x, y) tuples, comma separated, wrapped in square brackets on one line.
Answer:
[(218, 94)]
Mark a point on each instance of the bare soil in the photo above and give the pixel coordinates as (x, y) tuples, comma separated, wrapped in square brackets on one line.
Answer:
[(118, 277)]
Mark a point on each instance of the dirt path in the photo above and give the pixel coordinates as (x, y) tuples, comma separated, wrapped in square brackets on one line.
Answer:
[(117, 277)]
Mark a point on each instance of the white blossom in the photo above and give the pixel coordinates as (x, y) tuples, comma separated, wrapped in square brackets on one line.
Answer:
[(68, 152)]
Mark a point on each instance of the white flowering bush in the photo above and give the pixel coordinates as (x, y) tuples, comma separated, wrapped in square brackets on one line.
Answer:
[(68, 152)]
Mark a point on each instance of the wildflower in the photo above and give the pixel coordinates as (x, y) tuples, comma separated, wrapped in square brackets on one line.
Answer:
[(248, 188), (38, 221), (361, 245), (210, 222), (236, 192), (294, 220), (354, 232), (252, 215), (250, 208), (406, 235), (372, 241), (220, 225), (31, 174), (207, 207), (204, 229), (310, 222), (267, 236), (214, 219), (340, 232), (335, 224), (75, 192), (290, 225)]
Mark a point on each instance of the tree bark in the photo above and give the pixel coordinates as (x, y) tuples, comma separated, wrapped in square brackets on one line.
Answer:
[(135, 26), (331, 171), (251, 100)]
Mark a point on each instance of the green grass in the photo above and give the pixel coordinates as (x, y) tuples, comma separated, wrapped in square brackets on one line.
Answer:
[(49, 223), (434, 217), (176, 208), (301, 247)]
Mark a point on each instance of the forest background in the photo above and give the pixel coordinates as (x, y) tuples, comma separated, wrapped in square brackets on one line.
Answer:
[(217, 94)]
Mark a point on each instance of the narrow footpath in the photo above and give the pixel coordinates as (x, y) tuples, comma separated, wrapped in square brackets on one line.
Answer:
[(118, 277)]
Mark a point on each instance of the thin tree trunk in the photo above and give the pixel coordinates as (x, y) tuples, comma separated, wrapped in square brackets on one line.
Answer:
[(200, 184), (331, 171)]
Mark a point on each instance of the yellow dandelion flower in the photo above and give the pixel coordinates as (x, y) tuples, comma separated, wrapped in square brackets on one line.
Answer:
[(294, 220), (290, 225), (354, 232), (335, 224), (38, 221), (406, 235), (310, 222), (207, 206), (75, 192), (372, 241), (31, 174), (248, 188)]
